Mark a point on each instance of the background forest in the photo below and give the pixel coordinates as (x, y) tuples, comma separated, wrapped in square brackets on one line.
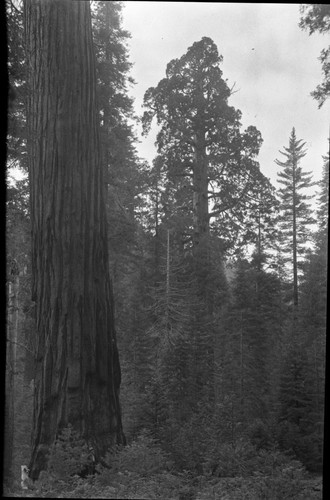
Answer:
[(219, 283)]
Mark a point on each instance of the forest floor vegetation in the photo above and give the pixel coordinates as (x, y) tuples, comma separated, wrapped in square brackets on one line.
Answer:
[(142, 470)]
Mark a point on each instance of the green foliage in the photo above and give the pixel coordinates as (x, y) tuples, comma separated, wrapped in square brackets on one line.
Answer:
[(143, 457), (323, 207), (231, 459), (124, 171), (139, 470), (295, 217), (207, 364), (261, 434), (191, 106), (300, 427), (293, 198), (256, 475), (284, 482), (187, 441), (20, 333), (69, 455), (316, 18), (245, 473), (16, 132), (68, 458)]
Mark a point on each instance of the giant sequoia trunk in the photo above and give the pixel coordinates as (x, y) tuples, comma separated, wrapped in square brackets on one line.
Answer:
[(201, 217), (77, 367), (200, 194)]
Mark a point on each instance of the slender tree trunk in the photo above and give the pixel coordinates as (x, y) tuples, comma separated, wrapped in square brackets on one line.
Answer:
[(241, 347), (77, 366), (157, 233), (294, 242), (10, 381)]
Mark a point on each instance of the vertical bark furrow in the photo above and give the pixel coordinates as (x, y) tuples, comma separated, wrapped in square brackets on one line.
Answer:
[(77, 370)]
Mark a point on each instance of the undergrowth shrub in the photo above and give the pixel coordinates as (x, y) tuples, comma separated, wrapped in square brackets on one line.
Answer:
[(229, 460), (138, 470), (188, 441), (68, 458), (286, 481), (276, 477), (307, 447), (143, 457), (261, 434), (158, 486), (242, 459), (69, 455)]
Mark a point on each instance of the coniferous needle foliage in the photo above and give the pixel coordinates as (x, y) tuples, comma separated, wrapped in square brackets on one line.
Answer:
[(295, 216), (192, 283)]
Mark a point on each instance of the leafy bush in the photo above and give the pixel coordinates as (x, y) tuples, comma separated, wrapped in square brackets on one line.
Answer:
[(143, 457), (69, 455), (307, 447), (281, 479), (261, 434), (243, 459), (285, 482), (270, 462), (229, 460), (157, 486), (188, 441)]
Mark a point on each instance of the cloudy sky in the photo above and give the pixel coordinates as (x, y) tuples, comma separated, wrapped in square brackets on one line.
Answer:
[(272, 62)]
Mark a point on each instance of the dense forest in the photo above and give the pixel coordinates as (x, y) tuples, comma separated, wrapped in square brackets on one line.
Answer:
[(166, 322)]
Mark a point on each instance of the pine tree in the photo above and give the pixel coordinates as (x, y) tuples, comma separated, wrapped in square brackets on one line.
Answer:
[(295, 213)]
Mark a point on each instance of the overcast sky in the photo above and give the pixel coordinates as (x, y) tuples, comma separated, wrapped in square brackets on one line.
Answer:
[(272, 62)]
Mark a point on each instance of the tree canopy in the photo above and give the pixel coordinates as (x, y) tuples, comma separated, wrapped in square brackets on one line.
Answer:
[(316, 18), (200, 139)]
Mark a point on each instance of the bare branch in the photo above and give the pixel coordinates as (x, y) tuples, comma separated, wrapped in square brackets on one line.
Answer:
[(232, 91)]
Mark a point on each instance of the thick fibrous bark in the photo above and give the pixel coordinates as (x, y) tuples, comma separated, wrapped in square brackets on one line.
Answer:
[(200, 195), (77, 367)]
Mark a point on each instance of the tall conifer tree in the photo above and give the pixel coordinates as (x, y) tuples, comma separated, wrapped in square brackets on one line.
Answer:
[(295, 217)]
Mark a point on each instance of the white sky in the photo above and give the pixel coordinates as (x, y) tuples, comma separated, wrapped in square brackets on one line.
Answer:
[(272, 61)]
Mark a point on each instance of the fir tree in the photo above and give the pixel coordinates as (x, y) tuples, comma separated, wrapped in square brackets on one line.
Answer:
[(323, 207), (295, 213)]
